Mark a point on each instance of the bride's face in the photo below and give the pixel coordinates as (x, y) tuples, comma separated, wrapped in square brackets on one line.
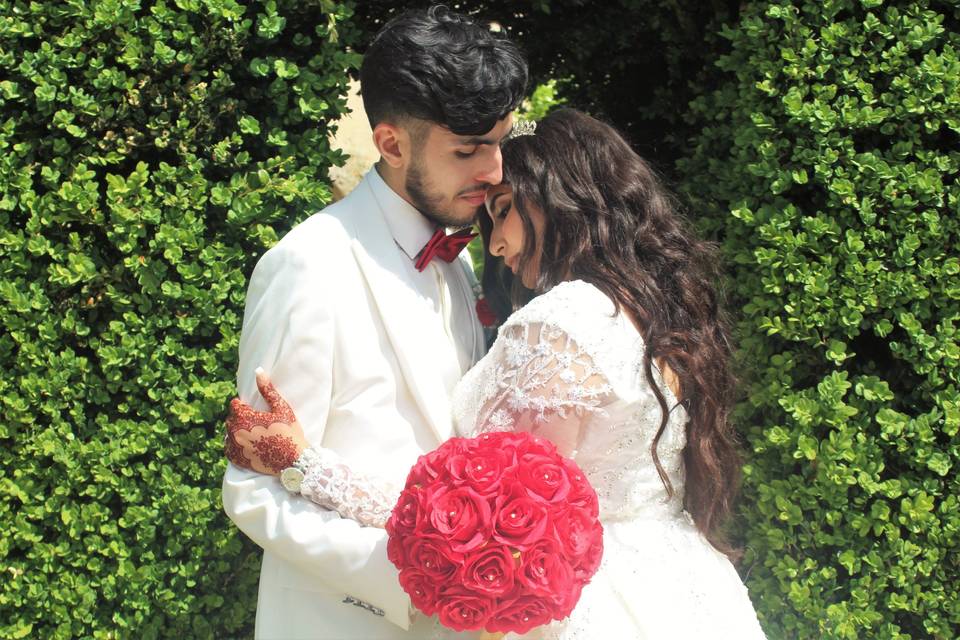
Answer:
[(506, 239)]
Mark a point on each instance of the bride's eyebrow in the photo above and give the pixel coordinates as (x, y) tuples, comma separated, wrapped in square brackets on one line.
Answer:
[(493, 201)]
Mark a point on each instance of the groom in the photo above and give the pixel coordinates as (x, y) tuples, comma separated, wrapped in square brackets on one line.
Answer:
[(363, 332)]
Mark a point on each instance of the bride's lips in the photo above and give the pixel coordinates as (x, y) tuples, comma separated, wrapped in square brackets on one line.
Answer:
[(511, 264)]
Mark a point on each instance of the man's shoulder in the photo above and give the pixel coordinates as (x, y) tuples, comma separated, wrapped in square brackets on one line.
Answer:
[(333, 225), (325, 235)]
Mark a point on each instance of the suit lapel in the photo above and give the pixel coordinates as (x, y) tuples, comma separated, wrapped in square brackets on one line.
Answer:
[(465, 272), (404, 314)]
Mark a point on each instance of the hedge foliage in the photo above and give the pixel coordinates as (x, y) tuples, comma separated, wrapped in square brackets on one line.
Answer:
[(820, 142), (148, 152), (636, 63), (831, 152), (151, 151)]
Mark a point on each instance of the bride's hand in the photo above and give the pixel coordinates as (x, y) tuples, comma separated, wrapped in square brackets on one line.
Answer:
[(263, 441)]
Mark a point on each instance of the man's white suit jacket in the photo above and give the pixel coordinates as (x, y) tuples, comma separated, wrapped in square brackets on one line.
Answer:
[(331, 314)]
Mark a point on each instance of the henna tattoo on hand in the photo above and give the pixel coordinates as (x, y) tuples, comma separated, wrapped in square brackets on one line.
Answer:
[(241, 418), (235, 452), (279, 409), (276, 452)]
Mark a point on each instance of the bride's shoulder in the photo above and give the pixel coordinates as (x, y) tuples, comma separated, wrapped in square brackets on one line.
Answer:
[(573, 306)]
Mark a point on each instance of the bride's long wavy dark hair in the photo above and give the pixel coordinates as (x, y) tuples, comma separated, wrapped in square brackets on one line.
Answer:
[(609, 221)]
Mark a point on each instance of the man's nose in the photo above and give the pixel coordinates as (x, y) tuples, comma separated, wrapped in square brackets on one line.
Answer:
[(492, 170)]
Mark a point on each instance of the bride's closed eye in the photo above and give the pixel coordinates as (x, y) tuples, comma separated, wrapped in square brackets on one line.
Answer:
[(499, 206), (498, 203)]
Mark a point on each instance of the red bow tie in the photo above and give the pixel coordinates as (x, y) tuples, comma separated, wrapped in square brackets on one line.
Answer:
[(443, 246)]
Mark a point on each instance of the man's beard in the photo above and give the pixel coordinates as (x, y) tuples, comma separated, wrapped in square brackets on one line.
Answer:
[(430, 204)]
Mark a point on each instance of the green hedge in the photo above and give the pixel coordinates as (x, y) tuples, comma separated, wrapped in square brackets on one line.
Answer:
[(824, 151), (636, 63), (831, 155), (822, 148), (149, 151)]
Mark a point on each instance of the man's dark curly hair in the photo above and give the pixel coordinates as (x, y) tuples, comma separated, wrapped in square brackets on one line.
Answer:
[(443, 67)]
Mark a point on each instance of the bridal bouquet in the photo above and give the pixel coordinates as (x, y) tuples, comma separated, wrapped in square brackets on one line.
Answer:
[(498, 532)]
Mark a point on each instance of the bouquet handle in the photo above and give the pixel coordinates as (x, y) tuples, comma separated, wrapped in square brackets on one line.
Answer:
[(486, 635)]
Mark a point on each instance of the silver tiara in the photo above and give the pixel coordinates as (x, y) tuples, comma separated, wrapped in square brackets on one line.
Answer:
[(522, 128)]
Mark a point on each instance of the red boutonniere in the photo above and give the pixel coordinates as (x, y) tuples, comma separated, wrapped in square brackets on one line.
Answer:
[(486, 315)]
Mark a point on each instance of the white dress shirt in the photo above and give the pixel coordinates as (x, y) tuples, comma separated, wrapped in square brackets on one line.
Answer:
[(440, 283)]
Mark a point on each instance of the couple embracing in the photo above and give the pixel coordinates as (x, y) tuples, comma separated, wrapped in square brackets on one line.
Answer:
[(364, 317)]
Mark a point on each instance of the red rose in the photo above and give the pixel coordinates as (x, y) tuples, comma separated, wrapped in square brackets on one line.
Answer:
[(581, 495), (480, 470), (520, 520), (422, 590), (461, 516), (566, 601), (545, 571), (395, 551), (489, 571), (429, 467), (501, 440), (520, 615), (590, 561), (485, 314), (507, 439), (456, 446), (433, 468), (537, 445), (462, 610), (544, 477), (408, 513), (431, 556), (575, 531), (521, 444)]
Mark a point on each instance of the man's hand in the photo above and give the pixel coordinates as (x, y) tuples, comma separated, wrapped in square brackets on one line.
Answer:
[(263, 441)]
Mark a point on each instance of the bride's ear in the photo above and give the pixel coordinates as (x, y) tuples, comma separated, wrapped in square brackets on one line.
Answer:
[(393, 143)]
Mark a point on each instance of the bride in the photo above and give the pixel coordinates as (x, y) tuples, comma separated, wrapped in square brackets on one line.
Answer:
[(622, 360)]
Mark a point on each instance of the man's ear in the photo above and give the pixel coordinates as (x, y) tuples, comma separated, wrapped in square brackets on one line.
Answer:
[(393, 143)]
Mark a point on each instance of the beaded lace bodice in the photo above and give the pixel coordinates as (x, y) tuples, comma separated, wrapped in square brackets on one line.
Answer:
[(567, 367)]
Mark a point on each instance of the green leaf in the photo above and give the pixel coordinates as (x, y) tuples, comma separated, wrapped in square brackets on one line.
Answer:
[(249, 125), (285, 69), (259, 67), (45, 93)]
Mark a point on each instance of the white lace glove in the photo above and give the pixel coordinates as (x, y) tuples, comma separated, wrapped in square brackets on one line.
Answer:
[(332, 484)]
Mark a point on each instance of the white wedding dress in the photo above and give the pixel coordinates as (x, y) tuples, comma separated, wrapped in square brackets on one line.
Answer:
[(568, 368)]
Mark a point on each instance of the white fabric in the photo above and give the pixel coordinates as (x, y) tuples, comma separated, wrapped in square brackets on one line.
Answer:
[(451, 301), (568, 368), (353, 337)]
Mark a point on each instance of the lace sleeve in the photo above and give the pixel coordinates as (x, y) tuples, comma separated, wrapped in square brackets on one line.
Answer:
[(330, 482), (543, 382)]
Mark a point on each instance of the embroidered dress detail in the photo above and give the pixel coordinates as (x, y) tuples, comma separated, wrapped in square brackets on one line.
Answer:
[(570, 368), (332, 484)]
